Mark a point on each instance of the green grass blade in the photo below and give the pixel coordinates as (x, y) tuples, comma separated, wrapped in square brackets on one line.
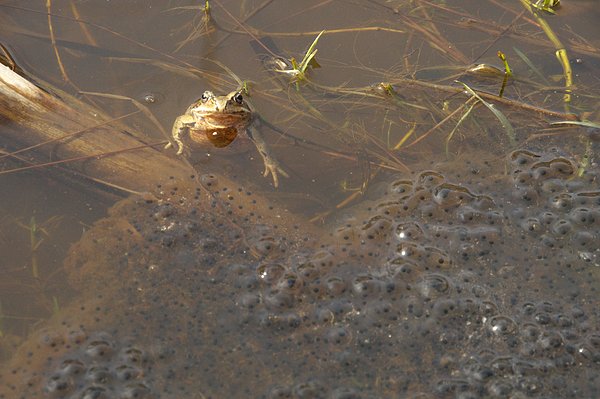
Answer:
[(510, 131), (310, 53), (531, 65), (464, 116)]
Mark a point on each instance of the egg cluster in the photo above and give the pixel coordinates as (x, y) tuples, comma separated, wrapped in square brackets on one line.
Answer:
[(448, 285), (101, 367)]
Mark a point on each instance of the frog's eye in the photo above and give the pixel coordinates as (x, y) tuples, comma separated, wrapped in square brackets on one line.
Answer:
[(238, 98), (205, 96)]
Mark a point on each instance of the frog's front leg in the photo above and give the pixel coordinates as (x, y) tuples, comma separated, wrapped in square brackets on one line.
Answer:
[(271, 164), (180, 128)]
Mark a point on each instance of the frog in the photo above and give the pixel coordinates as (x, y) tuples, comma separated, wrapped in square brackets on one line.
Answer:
[(220, 118)]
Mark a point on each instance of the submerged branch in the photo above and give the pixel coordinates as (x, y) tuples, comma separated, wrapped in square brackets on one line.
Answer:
[(38, 116)]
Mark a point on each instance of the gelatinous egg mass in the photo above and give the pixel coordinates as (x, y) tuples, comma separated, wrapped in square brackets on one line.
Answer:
[(443, 287)]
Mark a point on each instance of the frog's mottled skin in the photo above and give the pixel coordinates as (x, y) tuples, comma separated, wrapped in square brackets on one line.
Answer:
[(219, 113)]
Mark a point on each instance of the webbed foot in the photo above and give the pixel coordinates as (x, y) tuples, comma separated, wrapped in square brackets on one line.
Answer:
[(272, 167)]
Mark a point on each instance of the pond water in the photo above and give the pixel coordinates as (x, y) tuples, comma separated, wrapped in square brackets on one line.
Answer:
[(422, 246)]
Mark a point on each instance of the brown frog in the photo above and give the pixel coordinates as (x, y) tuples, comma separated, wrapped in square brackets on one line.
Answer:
[(219, 119)]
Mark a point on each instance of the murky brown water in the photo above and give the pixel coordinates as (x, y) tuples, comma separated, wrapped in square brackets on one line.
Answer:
[(464, 270)]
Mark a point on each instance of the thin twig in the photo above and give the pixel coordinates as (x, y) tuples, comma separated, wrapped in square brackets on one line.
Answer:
[(82, 26)]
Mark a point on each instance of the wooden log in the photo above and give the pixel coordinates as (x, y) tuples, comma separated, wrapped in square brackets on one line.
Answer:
[(31, 115)]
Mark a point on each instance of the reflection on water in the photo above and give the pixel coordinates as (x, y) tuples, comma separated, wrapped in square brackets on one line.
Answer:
[(475, 277)]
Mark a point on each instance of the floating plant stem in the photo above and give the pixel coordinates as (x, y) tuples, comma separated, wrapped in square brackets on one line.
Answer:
[(561, 52)]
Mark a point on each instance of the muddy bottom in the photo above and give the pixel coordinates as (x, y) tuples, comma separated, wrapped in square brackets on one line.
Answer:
[(477, 282)]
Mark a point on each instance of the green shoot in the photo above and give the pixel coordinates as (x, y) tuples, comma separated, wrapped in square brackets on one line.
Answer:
[(546, 5), (309, 56), (388, 90), (55, 306), (298, 71), (37, 235), (507, 70)]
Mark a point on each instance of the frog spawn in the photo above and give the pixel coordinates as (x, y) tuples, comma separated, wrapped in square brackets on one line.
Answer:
[(436, 289), (437, 266), (151, 273), (78, 364), (563, 212), (101, 368)]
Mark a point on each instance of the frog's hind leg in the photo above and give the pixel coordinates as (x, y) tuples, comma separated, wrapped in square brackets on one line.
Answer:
[(271, 165)]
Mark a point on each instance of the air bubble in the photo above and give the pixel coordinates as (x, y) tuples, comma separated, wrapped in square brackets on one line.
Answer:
[(502, 325), (269, 273), (409, 231)]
